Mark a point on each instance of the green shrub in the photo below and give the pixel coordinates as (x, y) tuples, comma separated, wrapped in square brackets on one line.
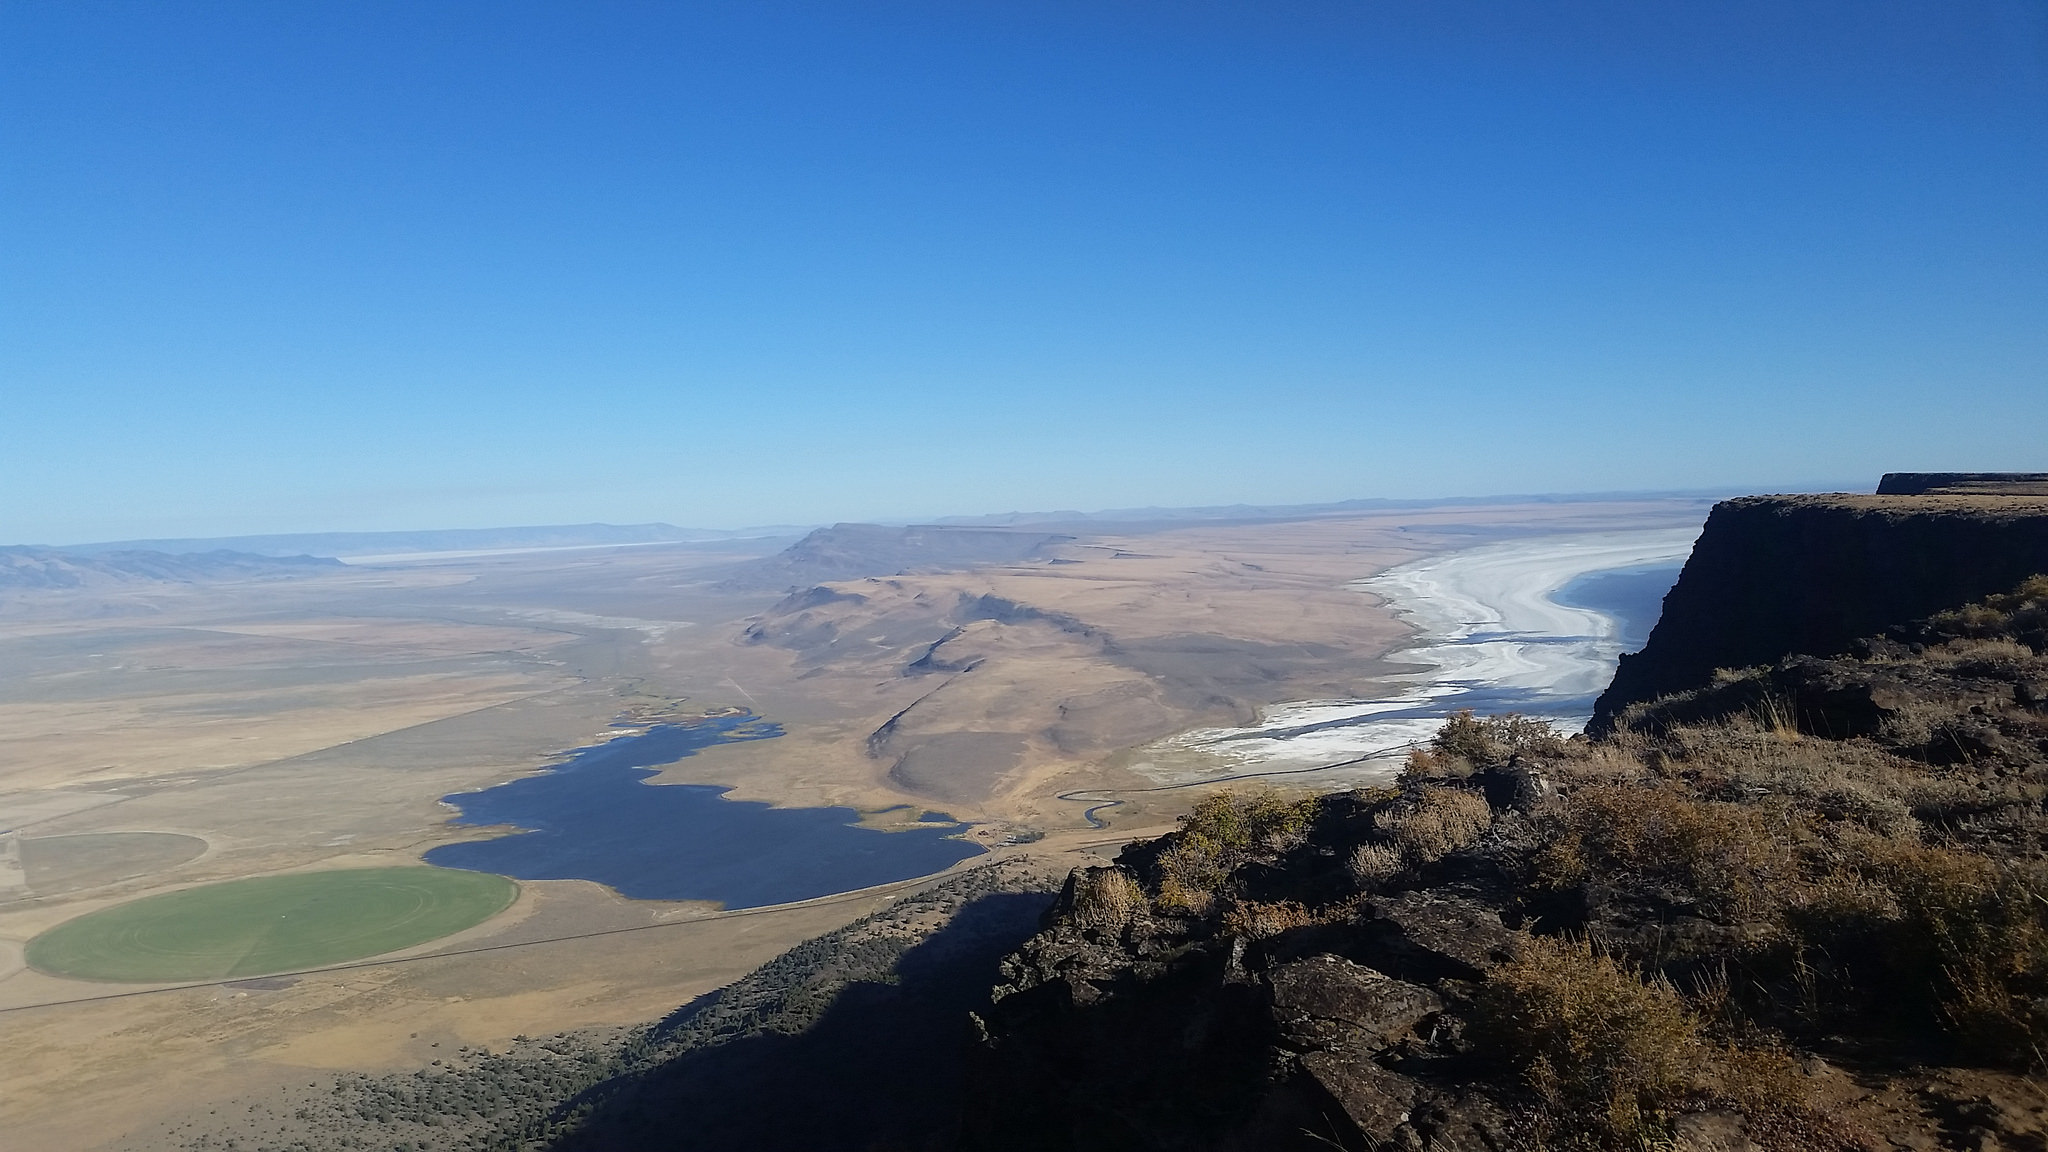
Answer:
[(1221, 833), (1191, 875), (1466, 743), (1246, 822)]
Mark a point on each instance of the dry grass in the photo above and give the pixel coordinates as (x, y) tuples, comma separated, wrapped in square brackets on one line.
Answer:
[(1613, 1057), (1106, 897), (1970, 935), (1372, 865), (1256, 921), (1609, 1056), (1837, 780), (1729, 858), (1819, 847), (1967, 653), (2021, 615), (1434, 823)]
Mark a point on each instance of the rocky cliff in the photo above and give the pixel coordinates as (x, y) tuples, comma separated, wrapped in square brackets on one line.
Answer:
[(1801, 909), (1963, 484), (1775, 575)]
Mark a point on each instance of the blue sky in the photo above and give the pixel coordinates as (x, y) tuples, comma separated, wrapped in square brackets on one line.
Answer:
[(320, 266)]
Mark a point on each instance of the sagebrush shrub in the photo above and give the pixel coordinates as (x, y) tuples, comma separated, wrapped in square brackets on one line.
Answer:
[(1731, 858), (1467, 742), (1608, 1054), (1223, 832)]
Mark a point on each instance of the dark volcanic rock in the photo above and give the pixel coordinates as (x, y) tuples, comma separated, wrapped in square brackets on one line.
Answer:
[(1963, 484), (1716, 1131), (1375, 1100), (1432, 936), (1467, 1122), (1778, 575), (1327, 1001)]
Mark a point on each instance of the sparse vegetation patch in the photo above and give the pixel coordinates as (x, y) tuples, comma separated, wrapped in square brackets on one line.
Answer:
[(1670, 937)]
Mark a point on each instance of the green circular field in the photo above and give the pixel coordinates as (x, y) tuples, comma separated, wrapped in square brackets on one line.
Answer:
[(270, 924)]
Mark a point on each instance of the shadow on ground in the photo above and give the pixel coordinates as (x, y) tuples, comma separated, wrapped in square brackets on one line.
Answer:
[(880, 1068)]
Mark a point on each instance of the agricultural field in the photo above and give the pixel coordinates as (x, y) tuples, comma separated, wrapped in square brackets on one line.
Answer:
[(269, 924)]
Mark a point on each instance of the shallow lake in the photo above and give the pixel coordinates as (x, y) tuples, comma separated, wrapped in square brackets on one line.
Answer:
[(1633, 597), (594, 817), (1531, 626)]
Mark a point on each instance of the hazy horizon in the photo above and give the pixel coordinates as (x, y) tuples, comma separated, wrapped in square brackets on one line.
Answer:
[(1023, 516)]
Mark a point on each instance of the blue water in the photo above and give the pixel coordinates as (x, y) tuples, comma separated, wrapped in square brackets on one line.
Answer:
[(1633, 596), (593, 817)]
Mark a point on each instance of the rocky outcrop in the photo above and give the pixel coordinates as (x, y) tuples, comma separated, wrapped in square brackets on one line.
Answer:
[(1128, 1025), (1778, 575), (1672, 938)]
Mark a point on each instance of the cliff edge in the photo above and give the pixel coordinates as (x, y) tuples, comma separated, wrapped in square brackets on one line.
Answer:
[(1963, 484), (1803, 908), (1773, 576)]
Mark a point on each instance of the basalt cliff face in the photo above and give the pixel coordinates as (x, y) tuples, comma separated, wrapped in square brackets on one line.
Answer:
[(1773, 576), (1963, 484)]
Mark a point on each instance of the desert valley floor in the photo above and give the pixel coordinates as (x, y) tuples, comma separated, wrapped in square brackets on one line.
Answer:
[(163, 736)]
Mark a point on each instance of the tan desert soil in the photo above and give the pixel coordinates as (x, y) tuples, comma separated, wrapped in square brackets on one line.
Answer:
[(315, 722)]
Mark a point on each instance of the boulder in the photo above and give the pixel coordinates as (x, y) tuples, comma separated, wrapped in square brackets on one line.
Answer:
[(1375, 1100), (1327, 1002), (1428, 937)]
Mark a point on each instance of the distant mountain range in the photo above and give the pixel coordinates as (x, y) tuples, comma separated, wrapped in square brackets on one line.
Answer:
[(1156, 515), (27, 568), (349, 544), (855, 551), (439, 540)]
